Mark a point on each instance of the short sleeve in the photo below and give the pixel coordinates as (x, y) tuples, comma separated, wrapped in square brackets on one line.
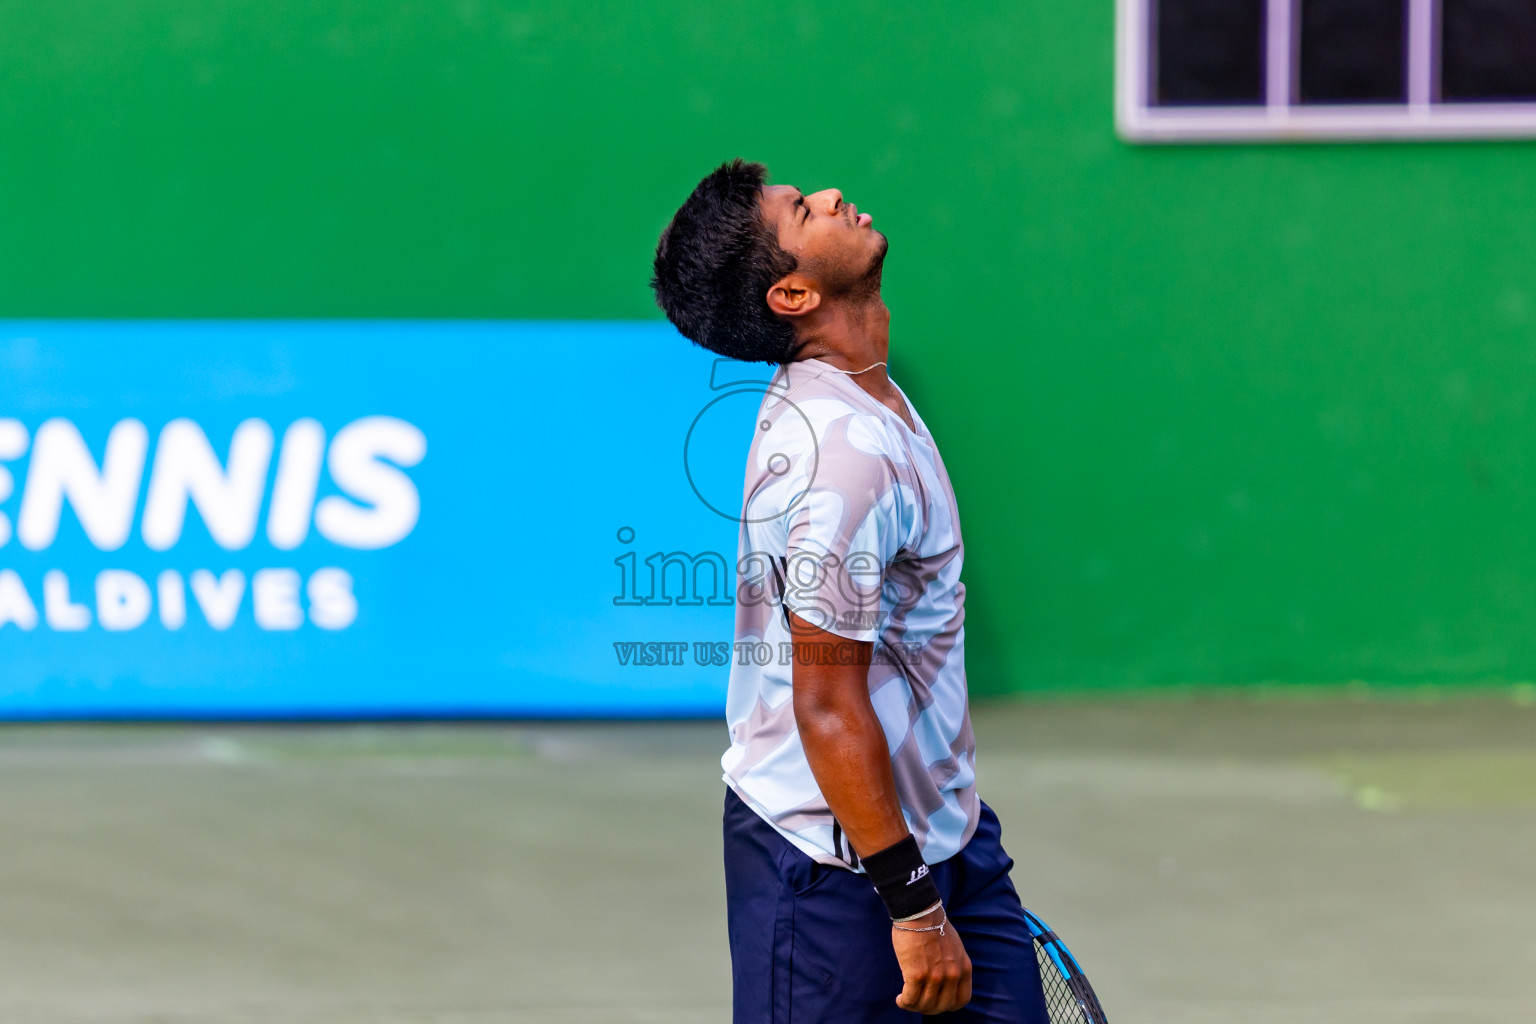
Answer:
[(844, 533)]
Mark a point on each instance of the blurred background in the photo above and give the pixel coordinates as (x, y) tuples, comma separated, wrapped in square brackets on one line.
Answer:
[(358, 507)]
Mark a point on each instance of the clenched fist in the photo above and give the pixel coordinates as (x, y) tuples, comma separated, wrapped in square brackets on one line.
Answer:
[(934, 967)]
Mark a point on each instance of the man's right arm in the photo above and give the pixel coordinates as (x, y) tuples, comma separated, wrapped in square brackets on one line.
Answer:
[(846, 749)]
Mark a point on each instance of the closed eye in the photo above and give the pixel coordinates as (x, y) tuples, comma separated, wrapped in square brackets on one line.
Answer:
[(804, 210)]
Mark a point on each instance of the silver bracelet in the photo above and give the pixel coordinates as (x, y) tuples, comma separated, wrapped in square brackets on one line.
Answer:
[(920, 913), (931, 928)]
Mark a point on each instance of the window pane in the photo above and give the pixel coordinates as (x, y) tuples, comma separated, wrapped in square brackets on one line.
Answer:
[(1353, 51), (1208, 52), (1488, 50)]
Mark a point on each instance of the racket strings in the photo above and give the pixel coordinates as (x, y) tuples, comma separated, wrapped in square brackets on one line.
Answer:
[(1060, 1001)]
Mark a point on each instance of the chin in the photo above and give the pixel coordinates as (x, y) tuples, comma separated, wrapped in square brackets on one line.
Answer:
[(882, 245)]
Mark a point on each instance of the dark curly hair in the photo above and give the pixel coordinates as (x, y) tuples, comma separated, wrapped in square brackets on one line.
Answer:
[(715, 263)]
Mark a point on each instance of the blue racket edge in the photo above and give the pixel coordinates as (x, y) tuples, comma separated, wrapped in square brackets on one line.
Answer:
[(1071, 971)]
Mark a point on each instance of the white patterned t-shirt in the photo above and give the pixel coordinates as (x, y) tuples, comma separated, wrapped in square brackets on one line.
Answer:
[(850, 522)]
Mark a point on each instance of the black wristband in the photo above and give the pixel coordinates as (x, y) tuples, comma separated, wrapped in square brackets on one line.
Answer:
[(902, 879)]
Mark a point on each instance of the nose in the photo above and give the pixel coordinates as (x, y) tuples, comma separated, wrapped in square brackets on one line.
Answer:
[(828, 200)]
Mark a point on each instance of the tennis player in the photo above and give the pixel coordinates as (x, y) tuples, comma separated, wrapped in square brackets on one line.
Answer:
[(865, 880)]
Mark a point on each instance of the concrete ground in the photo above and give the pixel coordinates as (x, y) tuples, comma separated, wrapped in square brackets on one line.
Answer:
[(1215, 860)]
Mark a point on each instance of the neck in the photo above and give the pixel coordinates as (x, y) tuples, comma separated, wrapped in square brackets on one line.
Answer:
[(852, 337)]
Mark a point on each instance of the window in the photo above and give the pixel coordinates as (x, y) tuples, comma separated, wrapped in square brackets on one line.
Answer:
[(1318, 69)]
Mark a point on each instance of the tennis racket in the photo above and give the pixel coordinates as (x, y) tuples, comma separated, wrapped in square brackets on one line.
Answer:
[(1068, 996)]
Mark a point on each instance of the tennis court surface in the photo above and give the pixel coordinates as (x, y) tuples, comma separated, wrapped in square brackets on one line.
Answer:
[(1316, 858)]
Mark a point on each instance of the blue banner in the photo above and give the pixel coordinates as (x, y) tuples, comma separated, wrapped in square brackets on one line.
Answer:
[(372, 519)]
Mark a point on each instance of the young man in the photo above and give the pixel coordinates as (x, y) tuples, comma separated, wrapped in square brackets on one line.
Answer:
[(865, 880)]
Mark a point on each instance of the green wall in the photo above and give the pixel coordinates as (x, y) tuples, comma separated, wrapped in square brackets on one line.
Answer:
[(1216, 415)]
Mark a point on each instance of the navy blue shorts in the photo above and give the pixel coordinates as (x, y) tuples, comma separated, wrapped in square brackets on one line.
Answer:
[(811, 944)]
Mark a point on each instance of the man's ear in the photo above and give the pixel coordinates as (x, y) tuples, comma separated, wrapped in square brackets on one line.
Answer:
[(793, 295)]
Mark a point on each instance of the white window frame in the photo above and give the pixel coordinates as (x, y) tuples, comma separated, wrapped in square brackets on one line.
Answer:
[(1280, 119)]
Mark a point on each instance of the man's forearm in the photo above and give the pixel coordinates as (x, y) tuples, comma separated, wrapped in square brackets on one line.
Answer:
[(848, 756)]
